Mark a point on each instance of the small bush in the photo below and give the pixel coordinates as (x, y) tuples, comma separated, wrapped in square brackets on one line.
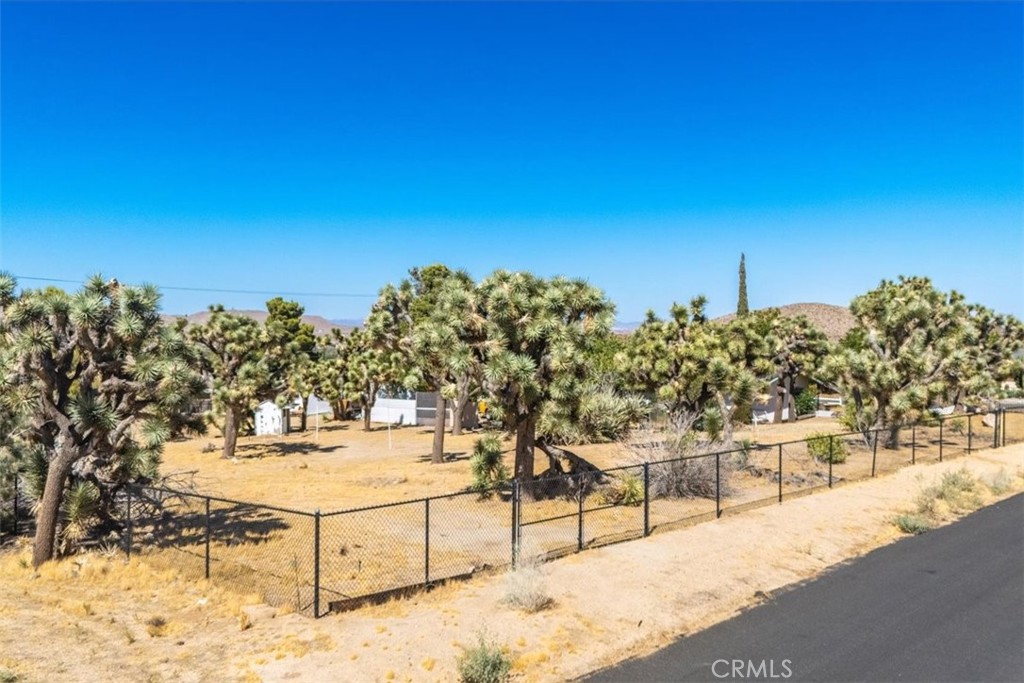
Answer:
[(1001, 482), (628, 489), (817, 446), (806, 401), (8, 676), (956, 426), (741, 458), (959, 491), (486, 466), (525, 588), (484, 663), (912, 524), (156, 626)]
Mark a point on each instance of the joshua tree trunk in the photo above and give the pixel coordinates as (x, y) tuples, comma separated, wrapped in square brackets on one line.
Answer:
[(526, 434), (302, 422), (337, 410), (231, 419), (777, 419), (461, 399), (892, 441), (366, 417), (49, 507), (790, 401), (437, 454)]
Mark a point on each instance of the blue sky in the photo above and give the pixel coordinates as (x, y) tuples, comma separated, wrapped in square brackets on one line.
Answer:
[(328, 147)]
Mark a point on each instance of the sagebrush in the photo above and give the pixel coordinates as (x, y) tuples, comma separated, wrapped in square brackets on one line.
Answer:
[(484, 663)]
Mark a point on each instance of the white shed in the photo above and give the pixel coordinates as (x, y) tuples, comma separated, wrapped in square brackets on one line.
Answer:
[(269, 419)]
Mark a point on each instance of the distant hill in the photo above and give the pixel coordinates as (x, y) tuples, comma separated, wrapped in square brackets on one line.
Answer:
[(320, 324), (834, 321)]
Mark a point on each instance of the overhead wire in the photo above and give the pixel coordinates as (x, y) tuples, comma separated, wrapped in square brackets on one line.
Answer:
[(174, 288)]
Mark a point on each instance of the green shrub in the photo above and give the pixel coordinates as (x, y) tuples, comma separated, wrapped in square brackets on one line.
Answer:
[(956, 426), (806, 401), (818, 447), (628, 489), (486, 466), (912, 524), (484, 663)]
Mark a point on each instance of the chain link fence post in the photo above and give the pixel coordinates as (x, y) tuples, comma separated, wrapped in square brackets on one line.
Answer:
[(718, 485), (647, 499), (515, 523), (426, 542), (316, 563), (941, 423), (579, 513), (831, 457), (128, 519), (970, 432), (874, 452), (780, 472), (207, 538)]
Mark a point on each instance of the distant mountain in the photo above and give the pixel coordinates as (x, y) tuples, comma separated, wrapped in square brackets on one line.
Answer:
[(320, 324), (834, 321)]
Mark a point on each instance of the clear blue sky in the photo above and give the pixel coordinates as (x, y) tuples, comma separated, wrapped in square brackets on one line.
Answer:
[(328, 147)]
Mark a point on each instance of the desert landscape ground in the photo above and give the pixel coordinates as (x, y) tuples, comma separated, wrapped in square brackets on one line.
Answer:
[(97, 616)]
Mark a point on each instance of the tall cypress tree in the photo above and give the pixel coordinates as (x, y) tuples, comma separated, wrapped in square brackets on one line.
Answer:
[(741, 306)]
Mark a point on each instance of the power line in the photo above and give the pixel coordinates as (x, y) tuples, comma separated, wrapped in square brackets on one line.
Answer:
[(218, 291)]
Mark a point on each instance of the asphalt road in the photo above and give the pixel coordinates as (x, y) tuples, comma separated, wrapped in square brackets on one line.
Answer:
[(944, 606)]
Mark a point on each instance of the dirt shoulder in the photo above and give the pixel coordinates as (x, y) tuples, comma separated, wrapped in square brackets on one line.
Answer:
[(94, 617)]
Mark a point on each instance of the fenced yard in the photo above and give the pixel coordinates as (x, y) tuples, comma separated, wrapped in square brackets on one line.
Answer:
[(315, 562)]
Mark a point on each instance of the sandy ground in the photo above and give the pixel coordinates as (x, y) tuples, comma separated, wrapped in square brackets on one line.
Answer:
[(341, 466), (94, 617)]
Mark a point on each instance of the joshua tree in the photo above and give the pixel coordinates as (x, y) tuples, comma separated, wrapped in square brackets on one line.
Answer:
[(540, 332), (379, 354), (236, 361), (796, 347), (912, 343), (694, 366), (447, 336), (101, 383), (292, 349)]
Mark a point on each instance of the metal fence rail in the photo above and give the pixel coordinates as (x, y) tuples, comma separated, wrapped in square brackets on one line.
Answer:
[(317, 562)]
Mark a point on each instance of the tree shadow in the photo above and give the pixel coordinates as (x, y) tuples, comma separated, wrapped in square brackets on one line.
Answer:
[(229, 524), (282, 448), (448, 457)]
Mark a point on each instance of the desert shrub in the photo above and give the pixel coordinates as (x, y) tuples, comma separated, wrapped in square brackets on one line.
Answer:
[(627, 489), (741, 457), (818, 447), (806, 401), (484, 663), (8, 676), (690, 478), (673, 472), (912, 524), (525, 588), (1001, 482), (957, 425), (959, 491), (485, 464)]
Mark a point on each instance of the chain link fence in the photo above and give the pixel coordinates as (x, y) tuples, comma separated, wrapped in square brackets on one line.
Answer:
[(316, 563)]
